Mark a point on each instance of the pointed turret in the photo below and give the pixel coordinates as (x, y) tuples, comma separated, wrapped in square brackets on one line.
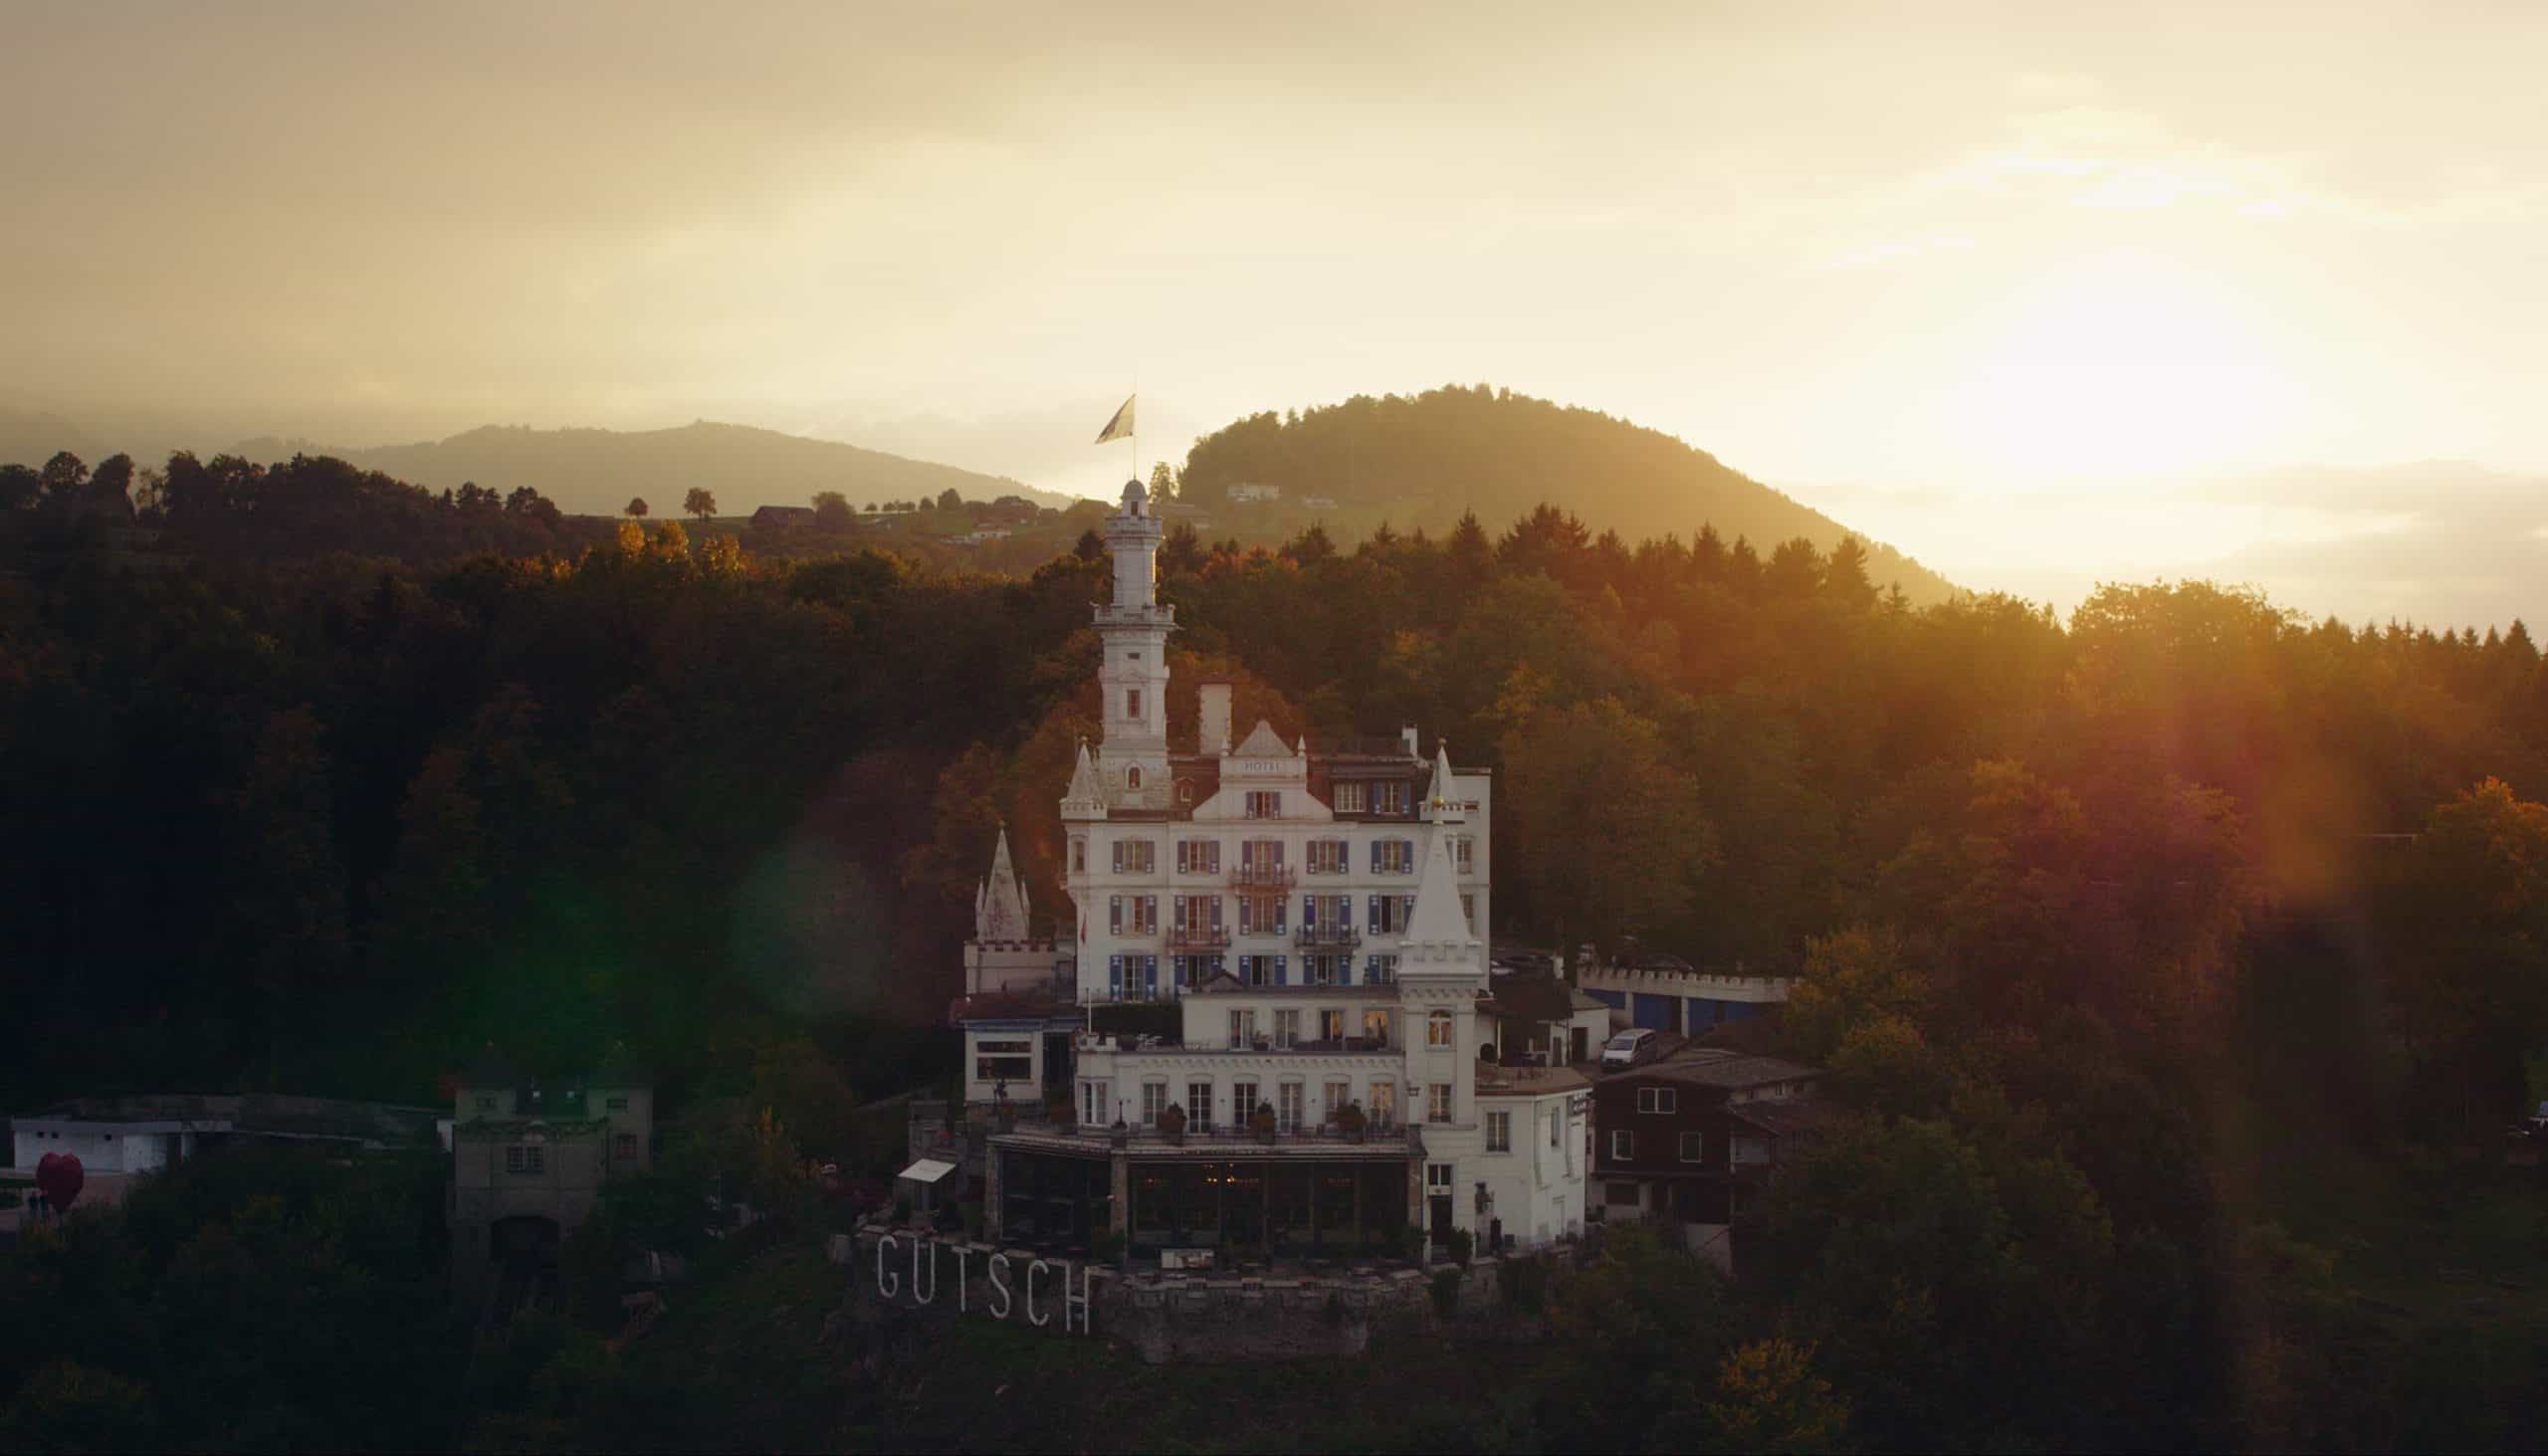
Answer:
[(999, 910), (1439, 930), (1084, 799), (1441, 791)]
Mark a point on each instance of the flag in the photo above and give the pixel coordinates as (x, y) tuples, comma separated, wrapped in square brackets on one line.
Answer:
[(1119, 427)]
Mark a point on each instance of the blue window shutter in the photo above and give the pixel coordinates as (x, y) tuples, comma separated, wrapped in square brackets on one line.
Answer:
[(1118, 847), (1345, 911), (1114, 914), (1406, 854), (1282, 971), (1115, 976), (1374, 907), (1150, 974), (1309, 911), (1375, 856), (1216, 911)]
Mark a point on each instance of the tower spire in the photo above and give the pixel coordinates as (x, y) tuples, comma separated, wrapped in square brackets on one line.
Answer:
[(1132, 673)]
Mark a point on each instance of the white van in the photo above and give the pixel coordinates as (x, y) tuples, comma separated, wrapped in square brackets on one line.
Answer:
[(1628, 1048)]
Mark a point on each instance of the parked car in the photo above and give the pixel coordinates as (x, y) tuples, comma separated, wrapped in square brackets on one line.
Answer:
[(1628, 1048)]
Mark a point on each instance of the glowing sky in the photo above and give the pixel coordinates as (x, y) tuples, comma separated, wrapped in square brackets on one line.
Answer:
[(2035, 296)]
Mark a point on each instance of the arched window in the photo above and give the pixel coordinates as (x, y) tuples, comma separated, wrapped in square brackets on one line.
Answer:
[(1186, 791), (1132, 778)]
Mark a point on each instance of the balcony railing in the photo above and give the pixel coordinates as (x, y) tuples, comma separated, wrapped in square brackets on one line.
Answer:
[(1326, 937), (1262, 877), (1219, 1135), (1197, 938)]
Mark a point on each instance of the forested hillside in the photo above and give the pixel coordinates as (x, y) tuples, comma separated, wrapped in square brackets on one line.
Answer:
[(2168, 962), (1424, 460)]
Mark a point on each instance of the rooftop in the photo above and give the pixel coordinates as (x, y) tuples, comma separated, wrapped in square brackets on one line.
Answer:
[(1028, 1004), (1706, 1066), (1493, 1080), (1802, 1117)]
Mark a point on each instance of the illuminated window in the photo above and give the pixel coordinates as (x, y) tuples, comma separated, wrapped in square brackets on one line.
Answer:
[(1437, 1029)]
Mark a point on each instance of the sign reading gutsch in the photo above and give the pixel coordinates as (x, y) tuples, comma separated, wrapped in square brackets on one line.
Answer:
[(1038, 1292)]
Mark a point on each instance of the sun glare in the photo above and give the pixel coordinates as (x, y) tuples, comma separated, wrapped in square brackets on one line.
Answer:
[(2120, 368)]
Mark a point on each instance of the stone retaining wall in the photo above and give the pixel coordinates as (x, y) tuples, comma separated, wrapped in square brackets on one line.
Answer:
[(1189, 1319)]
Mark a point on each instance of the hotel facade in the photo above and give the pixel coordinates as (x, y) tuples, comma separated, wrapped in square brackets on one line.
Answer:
[(1280, 963)]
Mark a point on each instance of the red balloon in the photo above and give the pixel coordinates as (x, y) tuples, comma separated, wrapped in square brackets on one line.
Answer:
[(59, 1179)]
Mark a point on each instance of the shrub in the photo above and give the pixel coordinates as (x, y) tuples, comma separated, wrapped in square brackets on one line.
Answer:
[(1523, 1283), (1105, 1246), (1463, 1246), (1447, 1292), (902, 1210)]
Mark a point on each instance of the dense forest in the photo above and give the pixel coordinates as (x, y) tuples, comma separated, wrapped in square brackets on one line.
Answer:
[(1428, 459), (2182, 961)]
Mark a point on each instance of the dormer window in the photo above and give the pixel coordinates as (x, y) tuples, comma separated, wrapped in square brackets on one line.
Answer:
[(1390, 797)]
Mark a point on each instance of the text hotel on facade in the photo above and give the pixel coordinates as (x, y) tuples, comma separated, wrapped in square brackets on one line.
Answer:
[(1314, 915)]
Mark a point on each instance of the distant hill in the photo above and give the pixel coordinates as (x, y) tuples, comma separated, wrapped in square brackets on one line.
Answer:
[(32, 436), (595, 472), (1422, 460)]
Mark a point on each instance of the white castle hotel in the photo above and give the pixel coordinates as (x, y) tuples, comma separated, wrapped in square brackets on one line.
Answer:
[(1281, 1038)]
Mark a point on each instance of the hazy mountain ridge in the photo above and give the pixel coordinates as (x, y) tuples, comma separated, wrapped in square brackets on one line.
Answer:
[(595, 472), (34, 436), (1426, 458)]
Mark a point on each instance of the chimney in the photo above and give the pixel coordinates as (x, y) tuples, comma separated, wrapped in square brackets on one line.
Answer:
[(1406, 735), (1212, 735)]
